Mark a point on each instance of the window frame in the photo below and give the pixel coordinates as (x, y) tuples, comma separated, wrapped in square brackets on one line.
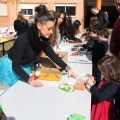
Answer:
[(29, 6), (4, 6), (66, 5)]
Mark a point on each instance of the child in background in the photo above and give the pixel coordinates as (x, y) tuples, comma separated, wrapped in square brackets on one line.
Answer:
[(98, 52), (103, 36), (103, 95)]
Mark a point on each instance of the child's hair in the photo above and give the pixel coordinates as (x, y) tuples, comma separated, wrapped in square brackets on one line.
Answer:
[(111, 66), (94, 23), (104, 32), (94, 30), (77, 24), (93, 18), (54, 36)]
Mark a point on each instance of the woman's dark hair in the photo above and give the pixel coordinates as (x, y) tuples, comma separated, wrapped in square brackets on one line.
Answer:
[(36, 9), (62, 26), (76, 25), (111, 66), (43, 15)]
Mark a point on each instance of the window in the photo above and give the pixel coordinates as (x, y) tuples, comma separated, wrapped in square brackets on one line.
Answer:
[(68, 8), (3, 7), (27, 9)]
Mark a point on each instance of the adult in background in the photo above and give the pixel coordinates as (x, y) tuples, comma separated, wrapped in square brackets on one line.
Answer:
[(31, 19), (74, 30), (62, 26), (115, 50), (20, 24), (19, 62), (102, 17)]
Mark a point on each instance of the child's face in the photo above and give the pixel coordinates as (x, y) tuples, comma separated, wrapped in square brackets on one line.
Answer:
[(91, 34), (101, 37)]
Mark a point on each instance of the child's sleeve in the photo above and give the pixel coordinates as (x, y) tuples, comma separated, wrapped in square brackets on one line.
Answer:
[(106, 92)]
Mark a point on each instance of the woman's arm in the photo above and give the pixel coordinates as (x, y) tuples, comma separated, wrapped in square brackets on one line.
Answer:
[(17, 56), (54, 57)]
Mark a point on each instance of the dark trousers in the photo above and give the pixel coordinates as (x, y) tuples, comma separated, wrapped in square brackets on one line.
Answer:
[(96, 73)]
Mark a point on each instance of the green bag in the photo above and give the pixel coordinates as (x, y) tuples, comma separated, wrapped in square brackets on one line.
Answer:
[(75, 116)]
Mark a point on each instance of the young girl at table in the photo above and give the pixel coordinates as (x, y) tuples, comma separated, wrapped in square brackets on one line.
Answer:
[(103, 95), (19, 62)]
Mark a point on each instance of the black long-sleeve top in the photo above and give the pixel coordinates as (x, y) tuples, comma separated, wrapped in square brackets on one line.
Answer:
[(106, 45), (98, 50), (103, 19), (71, 31), (20, 26), (106, 92), (22, 53)]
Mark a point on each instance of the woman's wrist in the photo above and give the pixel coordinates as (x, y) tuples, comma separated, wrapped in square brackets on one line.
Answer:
[(30, 79), (67, 68)]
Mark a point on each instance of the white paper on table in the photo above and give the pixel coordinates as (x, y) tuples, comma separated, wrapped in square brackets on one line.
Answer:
[(62, 47)]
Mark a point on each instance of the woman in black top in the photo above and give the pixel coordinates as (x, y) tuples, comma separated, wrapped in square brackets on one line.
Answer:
[(73, 30), (26, 50), (20, 24)]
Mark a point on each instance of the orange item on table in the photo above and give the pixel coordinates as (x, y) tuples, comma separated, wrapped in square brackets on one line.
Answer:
[(80, 86)]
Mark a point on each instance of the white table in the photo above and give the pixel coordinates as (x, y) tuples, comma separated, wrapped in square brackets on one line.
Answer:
[(85, 59), (24, 102)]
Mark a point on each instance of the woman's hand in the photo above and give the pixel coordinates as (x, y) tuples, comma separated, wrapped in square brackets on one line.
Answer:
[(90, 81), (71, 73), (38, 65), (36, 83)]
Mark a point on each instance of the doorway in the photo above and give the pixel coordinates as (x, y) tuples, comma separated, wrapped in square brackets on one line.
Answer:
[(106, 6)]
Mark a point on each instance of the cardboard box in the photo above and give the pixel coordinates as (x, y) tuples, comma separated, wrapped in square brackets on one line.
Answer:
[(47, 62), (52, 74), (50, 70)]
